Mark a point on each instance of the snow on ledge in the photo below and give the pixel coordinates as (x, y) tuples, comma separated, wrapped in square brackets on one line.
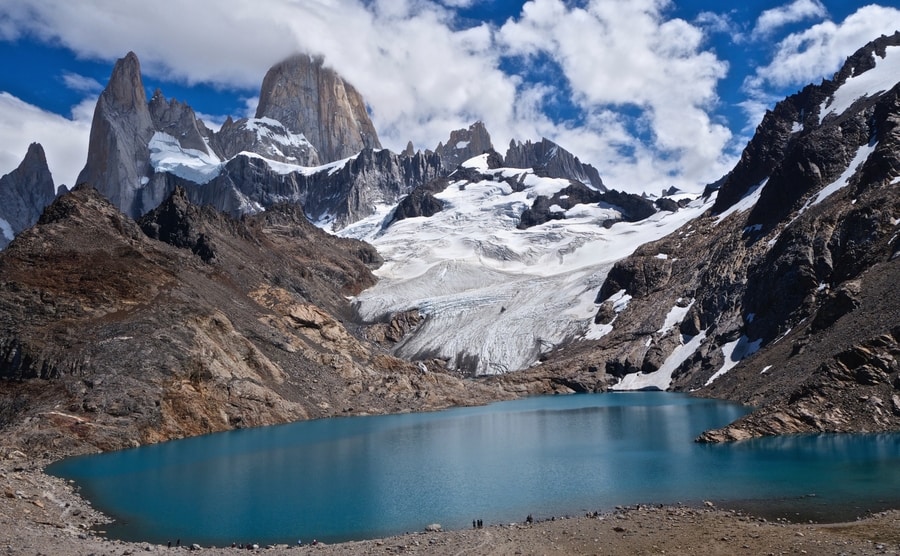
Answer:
[(862, 154), (167, 155), (674, 317), (747, 202), (734, 352), (661, 379), (871, 83)]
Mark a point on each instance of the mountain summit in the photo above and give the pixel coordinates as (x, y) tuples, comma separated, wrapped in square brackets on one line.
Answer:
[(24, 193), (309, 98), (118, 155)]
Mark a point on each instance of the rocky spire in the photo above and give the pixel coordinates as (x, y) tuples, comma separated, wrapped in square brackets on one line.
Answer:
[(118, 155), (308, 98), (24, 193), (463, 145)]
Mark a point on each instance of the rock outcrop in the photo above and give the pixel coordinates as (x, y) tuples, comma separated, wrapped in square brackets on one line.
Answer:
[(463, 145), (266, 137), (24, 193), (311, 99), (550, 160)]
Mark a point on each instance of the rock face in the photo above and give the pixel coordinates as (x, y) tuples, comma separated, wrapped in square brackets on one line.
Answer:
[(550, 160), (463, 145), (109, 338), (24, 193), (308, 98), (783, 295), (118, 152)]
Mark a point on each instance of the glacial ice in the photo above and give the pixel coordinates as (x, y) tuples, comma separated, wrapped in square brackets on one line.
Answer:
[(495, 297)]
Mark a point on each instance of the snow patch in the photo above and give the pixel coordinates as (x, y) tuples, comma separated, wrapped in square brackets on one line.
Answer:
[(747, 202), (797, 128), (662, 256), (765, 369), (862, 154), (477, 162), (661, 379), (734, 352), (273, 130), (167, 155), (6, 229), (674, 317), (871, 83)]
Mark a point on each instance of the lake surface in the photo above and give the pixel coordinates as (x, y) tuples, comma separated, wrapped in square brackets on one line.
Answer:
[(366, 477)]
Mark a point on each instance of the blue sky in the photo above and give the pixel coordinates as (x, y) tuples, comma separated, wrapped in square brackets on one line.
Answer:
[(651, 92)]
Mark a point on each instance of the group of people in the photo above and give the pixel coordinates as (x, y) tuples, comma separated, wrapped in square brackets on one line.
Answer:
[(477, 524)]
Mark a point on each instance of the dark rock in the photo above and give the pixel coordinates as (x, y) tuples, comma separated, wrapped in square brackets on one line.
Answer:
[(177, 222), (118, 154), (634, 208), (420, 202), (463, 145), (550, 160), (576, 193), (24, 193), (836, 305), (639, 276)]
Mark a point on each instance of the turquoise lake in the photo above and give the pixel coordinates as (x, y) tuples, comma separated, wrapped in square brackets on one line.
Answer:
[(366, 477)]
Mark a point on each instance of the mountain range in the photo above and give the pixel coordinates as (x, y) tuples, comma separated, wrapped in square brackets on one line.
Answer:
[(181, 287)]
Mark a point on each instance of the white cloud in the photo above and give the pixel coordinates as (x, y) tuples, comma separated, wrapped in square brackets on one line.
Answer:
[(798, 10), (808, 56), (716, 23), (621, 53), (64, 140), (81, 84), (423, 76)]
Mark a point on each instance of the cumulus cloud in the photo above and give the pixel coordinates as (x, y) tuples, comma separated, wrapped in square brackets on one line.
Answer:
[(643, 83), (808, 55), (798, 10), (65, 140), (624, 53)]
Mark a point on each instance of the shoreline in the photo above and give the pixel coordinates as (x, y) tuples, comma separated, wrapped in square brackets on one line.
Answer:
[(42, 514)]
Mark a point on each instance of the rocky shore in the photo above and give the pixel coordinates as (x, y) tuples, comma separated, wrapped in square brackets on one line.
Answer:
[(44, 515)]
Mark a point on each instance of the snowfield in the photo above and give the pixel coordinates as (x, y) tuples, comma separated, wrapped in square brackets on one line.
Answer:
[(881, 78), (495, 297)]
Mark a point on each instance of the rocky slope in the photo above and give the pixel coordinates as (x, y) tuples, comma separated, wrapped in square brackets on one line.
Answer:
[(783, 295), (111, 338), (24, 193)]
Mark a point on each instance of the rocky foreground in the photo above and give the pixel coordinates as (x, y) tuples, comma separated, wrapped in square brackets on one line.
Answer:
[(40, 514)]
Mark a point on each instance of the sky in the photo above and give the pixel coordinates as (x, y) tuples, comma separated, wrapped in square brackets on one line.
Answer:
[(653, 93)]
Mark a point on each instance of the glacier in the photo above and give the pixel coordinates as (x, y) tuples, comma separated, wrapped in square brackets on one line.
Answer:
[(494, 297)]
